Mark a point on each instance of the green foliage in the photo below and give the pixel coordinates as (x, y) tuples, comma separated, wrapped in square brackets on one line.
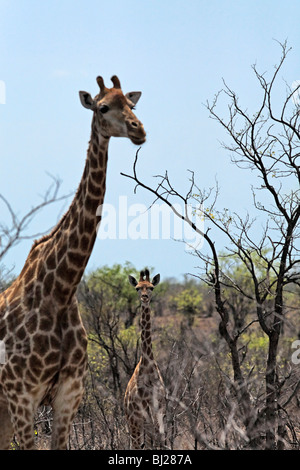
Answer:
[(112, 283), (129, 337), (109, 289), (257, 343), (188, 301), (191, 351), (236, 272)]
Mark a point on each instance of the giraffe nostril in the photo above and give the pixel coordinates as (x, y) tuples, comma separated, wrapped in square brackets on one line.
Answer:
[(134, 124)]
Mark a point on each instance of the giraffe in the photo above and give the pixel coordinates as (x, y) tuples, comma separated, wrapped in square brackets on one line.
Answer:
[(145, 394), (40, 325)]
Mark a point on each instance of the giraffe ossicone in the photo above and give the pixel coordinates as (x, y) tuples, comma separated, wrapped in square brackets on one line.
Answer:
[(40, 325), (145, 396)]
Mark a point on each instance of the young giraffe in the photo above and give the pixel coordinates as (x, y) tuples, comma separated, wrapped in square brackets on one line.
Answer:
[(40, 325), (145, 393)]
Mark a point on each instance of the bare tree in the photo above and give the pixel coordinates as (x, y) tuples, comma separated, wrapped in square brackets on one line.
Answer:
[(266, 142), (14, 229)]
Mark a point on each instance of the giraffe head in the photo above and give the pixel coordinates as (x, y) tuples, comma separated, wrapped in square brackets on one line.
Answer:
[(144, 287), (113, 111)]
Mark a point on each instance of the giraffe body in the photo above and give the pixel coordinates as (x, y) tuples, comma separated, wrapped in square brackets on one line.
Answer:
[(145, 394), (40, 325)]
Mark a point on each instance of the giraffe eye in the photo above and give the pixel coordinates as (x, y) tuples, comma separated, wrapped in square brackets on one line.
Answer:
[(104, 108), (137, 289), (150, 288)]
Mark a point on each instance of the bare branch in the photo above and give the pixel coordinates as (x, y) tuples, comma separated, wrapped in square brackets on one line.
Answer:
[(14, 231)]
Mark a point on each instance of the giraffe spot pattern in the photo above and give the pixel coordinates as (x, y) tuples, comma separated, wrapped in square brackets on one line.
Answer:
[(44, 337)]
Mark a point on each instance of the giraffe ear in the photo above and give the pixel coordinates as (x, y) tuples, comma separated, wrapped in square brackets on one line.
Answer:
[(133, 96), (132, 280), (156, 280), (86, 100)]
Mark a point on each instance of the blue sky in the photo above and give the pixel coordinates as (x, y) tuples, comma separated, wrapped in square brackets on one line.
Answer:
[(176, 52)]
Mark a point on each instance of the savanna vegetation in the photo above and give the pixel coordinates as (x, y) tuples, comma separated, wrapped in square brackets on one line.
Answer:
[(204, 406), (226, 338)]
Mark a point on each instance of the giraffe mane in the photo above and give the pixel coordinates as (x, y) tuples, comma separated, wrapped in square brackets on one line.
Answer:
[(55, 229)]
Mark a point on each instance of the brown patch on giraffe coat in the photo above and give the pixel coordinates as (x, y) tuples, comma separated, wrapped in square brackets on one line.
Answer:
[(32, 378), (65, 272), (29, 295), (19, 367), (55, 342), (51, 358), (48, 373), (85, 171), (77, 356), (89, 224), (31, 322), (29, 273), (35, 364), (41, 270), (28, 429), (102, 159), (84, 243), (60, 292), (15, 319), (73, 238), (93, 188), (48, 284), (76, 259), (97, 177), (21, 333), (9, 374), (81, 223), (62, 250), (41, 344), (2, 331), (37, 295), (69, 340), (51, 260), (81, 338), (94, 161), (145, 361), (91, 205), (74, 317), (46, 323)]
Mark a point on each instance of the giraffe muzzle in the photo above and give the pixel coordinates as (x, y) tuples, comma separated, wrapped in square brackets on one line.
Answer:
[(136, 132), (138, 141)]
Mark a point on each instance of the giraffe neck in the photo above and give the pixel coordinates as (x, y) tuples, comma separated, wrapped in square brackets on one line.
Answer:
[(59, 259), (147, 353)]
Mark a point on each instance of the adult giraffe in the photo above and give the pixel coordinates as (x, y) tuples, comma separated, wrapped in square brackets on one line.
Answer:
[(44, 339)]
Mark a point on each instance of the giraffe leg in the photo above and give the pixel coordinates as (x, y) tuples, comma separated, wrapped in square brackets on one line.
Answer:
[(65, 405), (136, 434), (22, 415), (149, 434), (159, 430), (6, 426)]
